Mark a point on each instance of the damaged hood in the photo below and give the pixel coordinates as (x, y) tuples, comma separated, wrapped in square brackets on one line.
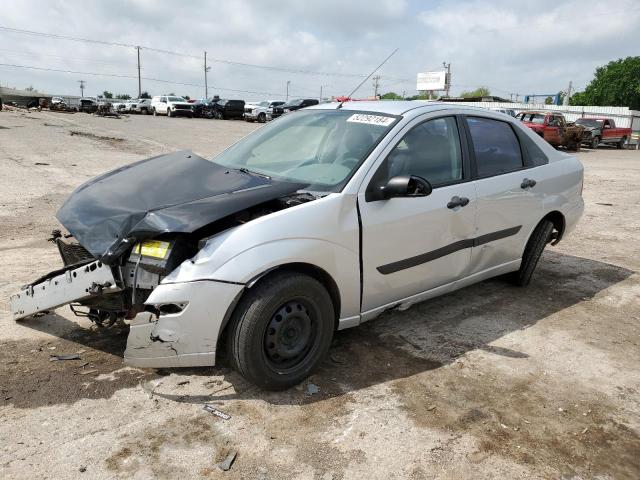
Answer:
[(179, 192)]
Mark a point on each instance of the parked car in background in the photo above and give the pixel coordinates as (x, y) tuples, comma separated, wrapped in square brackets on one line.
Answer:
[(171, 106), (553, 127), (202, 108), (87, 105), (59, 104), (260, 111), (143, 106), (131, 105), (227, 109), (293, 105), (601, 130), (118, 105), (508, 111), (317, 222)]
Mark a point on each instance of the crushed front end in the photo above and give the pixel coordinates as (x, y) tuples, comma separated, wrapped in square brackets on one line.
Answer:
[(126, 236)]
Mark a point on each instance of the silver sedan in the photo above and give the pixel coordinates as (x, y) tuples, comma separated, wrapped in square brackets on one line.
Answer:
[(318, 221)]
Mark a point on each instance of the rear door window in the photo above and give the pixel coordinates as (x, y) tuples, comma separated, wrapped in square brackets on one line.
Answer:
[(495, 145)]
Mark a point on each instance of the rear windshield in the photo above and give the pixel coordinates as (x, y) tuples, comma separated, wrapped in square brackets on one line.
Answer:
[(533, 118), (176, 99), (589, 122)]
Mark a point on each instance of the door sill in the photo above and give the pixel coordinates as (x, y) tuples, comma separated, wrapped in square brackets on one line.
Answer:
[(407, 302)]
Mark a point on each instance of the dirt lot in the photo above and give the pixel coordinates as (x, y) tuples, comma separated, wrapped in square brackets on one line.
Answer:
[(492, 381)]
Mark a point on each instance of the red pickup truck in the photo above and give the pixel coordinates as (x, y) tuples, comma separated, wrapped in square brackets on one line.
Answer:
[(603, 130), (553, 127)]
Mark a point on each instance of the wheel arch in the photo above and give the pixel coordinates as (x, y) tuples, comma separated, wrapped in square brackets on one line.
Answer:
[(320, 274), (559, 223)]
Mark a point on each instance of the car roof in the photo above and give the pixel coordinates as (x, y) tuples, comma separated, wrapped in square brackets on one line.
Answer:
[(395, 107)]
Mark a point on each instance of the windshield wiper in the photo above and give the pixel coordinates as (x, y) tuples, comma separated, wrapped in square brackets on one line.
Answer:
[(251, 172)]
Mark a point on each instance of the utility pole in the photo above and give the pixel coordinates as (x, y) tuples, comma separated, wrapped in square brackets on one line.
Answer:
[(139, 79), (206, 70), (81, 82), (447, 78), (320, 98), (376, 85), (568, 95), (288, 83)]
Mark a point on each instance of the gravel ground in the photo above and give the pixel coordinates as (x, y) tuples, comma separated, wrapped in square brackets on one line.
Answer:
[(492, 381)]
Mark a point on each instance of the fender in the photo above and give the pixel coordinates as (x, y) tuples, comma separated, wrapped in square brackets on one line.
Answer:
[(341, 263)]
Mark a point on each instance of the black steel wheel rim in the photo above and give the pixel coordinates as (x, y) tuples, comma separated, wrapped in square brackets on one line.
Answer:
[(290, 335)]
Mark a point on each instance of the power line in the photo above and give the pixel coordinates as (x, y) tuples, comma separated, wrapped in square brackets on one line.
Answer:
[(150, 79), (179, 54)]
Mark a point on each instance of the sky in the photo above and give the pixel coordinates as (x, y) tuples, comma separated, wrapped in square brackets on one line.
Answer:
[(255, 47)]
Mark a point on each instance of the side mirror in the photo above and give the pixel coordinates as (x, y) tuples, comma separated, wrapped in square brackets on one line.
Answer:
[(406, 186)]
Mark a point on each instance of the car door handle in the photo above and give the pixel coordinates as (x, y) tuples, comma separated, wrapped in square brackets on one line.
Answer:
[(527, 182), (457, 202)]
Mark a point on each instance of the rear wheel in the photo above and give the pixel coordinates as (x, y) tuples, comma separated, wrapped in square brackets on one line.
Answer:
[(280, 330), (532, 252), (155, 113), (620, 144), (595, 141)]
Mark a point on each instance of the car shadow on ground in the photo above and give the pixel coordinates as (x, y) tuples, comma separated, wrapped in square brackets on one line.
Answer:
[(393, 346)]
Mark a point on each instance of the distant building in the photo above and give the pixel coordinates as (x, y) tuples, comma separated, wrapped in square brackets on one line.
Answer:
[(23, 98)]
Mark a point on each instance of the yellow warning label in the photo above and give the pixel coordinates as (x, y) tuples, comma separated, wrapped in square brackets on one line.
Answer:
[(153, 248)]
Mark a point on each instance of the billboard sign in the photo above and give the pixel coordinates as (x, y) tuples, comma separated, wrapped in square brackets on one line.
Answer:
[(431, 81)]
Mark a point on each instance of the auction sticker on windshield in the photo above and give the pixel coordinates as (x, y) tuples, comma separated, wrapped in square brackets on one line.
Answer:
[(371, 119)]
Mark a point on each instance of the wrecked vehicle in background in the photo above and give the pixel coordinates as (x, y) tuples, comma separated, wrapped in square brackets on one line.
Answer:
[(553, 127), (317, 222), (603, 130)]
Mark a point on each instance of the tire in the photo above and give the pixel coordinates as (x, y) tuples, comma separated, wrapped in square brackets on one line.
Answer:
[(532, 252), (168, 112), (155, 113), (217, 115), (595, 141), (620, 144), (262, 118), (281, 330)]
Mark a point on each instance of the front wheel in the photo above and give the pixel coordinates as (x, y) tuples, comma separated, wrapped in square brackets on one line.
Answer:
[(262, 118), (595, 141), (620, 144), (281, 330), (168, 112), (217, 115), (155, 112), (533, 251)]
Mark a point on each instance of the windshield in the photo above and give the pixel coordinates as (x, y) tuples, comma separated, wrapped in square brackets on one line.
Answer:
[(533, 118), (589, 122), (176, 99), (321, 148)]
